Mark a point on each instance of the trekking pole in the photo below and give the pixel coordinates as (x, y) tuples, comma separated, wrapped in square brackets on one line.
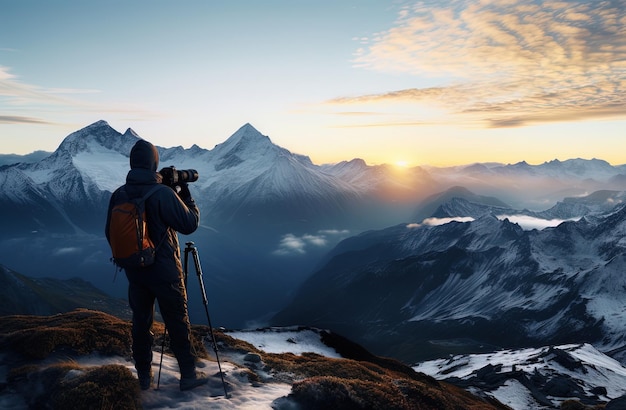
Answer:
[(196, 260)]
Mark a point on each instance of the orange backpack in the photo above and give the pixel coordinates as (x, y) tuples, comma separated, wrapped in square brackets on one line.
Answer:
[(131, 245)]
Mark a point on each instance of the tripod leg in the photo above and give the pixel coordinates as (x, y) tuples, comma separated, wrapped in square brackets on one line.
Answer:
[(161, 361), (186, 262), (196, 259)]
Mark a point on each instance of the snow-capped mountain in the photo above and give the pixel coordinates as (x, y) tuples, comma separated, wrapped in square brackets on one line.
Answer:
[(249, 177), (63, 192), (422, 290)]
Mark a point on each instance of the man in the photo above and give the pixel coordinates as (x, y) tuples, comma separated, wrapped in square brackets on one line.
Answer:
[(167, 213)]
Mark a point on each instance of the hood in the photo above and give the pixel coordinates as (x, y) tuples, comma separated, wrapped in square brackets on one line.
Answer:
[(144, 155)]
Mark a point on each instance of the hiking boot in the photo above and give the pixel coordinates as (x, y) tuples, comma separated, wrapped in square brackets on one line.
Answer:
[(198, 379), (145, 379)]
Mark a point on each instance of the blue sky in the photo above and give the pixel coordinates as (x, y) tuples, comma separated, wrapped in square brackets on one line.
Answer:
[(422, 82)]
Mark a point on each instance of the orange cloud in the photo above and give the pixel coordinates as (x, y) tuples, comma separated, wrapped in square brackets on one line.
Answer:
[(507, 63)]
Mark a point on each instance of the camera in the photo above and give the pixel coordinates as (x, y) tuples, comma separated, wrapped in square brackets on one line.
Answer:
[(172, 176)]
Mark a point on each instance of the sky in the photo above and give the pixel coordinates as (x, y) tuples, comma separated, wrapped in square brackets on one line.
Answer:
[(407, 82)]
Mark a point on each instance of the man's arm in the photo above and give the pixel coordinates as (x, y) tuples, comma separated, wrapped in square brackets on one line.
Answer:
[(180, 211)]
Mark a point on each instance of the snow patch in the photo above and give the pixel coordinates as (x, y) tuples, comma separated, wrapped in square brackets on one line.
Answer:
[(104, 167), (286, 340)]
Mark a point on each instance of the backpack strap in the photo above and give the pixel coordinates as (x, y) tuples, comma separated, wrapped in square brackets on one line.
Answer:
[(150, 192), (143, 200)]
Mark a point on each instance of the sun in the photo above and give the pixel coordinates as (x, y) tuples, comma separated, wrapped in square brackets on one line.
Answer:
[(402, 164)]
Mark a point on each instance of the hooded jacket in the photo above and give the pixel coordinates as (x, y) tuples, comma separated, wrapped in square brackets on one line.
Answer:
[(166, 214)]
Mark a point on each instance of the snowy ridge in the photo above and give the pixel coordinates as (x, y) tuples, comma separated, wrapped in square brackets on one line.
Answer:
[(535, 378)]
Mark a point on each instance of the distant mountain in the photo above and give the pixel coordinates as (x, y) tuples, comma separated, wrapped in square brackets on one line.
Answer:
[(598, 202), (460, 202), (419, 291), (24, 295), (533, 187), (439, 205), (10, 159)]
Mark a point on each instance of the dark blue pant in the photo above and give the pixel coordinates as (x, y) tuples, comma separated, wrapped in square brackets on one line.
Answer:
[(172, 299)]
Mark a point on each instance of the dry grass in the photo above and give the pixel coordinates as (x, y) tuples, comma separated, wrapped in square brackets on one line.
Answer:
[(81, 331), (321, 382), (106, 387), (64, 384), (361, 381)]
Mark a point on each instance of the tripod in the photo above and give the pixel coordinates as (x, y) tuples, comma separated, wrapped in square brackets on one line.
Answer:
[(191, 248)]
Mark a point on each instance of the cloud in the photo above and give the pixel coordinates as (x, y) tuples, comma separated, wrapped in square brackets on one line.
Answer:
[(18, 93), (506, 63), (528, 222), (17, 96), (16, 119), (291, 244), (524, 221), (440, 221), (66, 251)]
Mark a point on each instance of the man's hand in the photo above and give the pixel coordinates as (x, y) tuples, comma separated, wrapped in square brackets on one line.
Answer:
[(182, 190)]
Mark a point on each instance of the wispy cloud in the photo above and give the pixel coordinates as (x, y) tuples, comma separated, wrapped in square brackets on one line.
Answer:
[(16, 119), (17, 97), (18, 93), (291, 244), (506, 63)]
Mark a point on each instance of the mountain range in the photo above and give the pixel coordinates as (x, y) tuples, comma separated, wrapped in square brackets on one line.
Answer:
[(269, 216), (414, 263), (248, 179)]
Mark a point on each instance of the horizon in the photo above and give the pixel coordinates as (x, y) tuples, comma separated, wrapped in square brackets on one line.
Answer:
[(397, 165), (532, 81)]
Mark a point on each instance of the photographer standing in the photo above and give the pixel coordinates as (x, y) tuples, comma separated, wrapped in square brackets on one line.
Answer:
[(167, 212)]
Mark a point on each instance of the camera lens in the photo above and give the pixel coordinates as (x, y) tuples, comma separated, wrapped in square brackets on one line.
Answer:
[(188, 175)]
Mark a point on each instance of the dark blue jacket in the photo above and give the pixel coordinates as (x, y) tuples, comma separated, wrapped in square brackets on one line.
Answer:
[(166, 214)]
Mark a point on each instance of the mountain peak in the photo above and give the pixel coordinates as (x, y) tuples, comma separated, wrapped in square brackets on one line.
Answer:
[(98, 124), (245, 140), (248, 133), (131, 133), (77, 141)]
